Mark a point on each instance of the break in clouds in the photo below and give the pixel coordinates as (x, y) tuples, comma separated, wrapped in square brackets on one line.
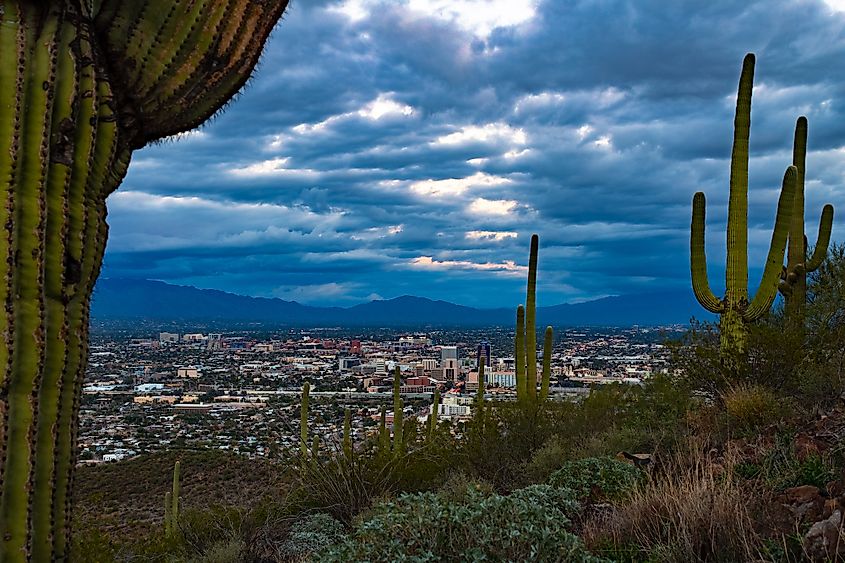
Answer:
[(390, 147)]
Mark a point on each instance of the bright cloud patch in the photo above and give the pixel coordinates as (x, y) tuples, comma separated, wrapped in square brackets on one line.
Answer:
[(481, 206), (384, 106), (491, 132), (456, 186), (490, 235), (508, 267)]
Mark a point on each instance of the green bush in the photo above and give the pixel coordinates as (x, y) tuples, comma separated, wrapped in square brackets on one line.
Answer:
[(529, 525), (312, 534), (597, 478)]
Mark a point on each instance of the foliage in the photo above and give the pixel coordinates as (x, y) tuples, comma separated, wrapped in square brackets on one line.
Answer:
[(597, 478), (311, 534), (750, 407), (529, 525)]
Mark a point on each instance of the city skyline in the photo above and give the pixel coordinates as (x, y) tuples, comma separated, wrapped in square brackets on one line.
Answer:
[(392, 148)]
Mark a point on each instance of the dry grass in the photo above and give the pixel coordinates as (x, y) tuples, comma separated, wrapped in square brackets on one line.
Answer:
[(752, 406), (693, 511)]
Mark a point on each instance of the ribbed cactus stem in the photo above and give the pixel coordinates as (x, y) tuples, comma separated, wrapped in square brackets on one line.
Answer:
[(519, 353), (798, 264), (398, 442), (384, 434), (168, 514), (347, 434), (175, 498), (82, 84), (482, 384), (435, 405), (735, 309), (531, 322), (303, 420), (548, 344)]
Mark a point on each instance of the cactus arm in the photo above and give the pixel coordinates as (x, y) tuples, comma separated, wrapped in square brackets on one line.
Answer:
[(548, 343), (698, 258), (303, 420), (519, 352), (531, 322), (315, 448), (796, 251), (823, 240), (176, 64), (768, 287), (736, 271)]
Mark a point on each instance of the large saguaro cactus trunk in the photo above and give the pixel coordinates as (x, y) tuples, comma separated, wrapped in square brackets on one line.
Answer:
[(82, 84)]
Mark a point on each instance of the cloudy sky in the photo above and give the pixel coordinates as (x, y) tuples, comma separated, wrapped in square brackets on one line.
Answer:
[(391, 147)]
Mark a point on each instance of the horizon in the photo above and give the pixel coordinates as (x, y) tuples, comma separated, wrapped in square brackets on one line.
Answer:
[(390, 148)]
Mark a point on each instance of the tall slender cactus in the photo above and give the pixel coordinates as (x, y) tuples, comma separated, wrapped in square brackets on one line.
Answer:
[(519, 352), (168, 514), (398, 442), (303, 420), (531, 322), (83, 83), (735, 309), (383, 433), (347, 434), (794, 278), (435, 405), (548, 343), (175, 500)]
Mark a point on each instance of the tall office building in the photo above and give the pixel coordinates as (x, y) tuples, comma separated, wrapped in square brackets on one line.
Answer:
[(449, 362)]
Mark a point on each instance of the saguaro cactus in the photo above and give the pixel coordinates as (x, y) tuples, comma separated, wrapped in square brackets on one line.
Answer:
[(398, 442), (171, 514), (83, 83), (347, 434), (481, 383), (435, 405), (548, 343), (383, 434), (794, 278), (519, 352), (303, 420), (735, 309), (531, 321)]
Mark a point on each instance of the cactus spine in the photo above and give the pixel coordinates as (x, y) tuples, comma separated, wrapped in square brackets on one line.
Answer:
[(398, 442), (735, 309), (798, 265), (433, 417), (347, 434), (82, 85), (548, 343), (519, 352), (303, 420)]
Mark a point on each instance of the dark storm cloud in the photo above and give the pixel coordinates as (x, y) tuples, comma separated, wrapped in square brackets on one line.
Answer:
[(388, 147)]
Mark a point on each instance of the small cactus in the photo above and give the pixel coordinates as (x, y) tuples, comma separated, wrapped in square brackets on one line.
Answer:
[(398, 442), (347, 434), (519, 352), (171, 504), (303, 420), (383, 433), (435, 405)]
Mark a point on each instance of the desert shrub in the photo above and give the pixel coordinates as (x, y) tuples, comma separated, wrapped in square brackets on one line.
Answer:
[(529, 525), (779, 466), (310, 535), (696, 511), (750, 407), (460, 484), (224, 551), (596, 479)]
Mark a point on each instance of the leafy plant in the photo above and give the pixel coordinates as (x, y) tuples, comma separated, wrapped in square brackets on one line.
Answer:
[(597, 479)]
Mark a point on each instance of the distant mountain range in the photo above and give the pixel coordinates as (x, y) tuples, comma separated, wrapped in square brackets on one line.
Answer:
[(125, 299)]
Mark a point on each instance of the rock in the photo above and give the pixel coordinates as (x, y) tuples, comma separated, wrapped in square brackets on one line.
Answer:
[(824, 541), (805, 503)]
